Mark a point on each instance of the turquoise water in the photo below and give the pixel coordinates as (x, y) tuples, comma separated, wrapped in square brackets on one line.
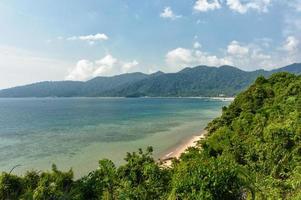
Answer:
[(77, 132)]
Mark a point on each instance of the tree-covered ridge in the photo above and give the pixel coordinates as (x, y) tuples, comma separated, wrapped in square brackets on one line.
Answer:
[(195, 81), (253, 151), (261, 132)]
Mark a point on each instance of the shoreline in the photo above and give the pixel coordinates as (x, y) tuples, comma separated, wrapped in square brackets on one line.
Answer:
[(143, 97), (175, 152)]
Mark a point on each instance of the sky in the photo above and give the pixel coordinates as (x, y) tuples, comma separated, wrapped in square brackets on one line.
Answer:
[(82, 39)]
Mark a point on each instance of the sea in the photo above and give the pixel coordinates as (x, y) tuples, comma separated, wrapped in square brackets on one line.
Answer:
[(77, 132)]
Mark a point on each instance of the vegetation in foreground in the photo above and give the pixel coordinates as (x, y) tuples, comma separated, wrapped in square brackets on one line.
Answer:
[(253, 151)]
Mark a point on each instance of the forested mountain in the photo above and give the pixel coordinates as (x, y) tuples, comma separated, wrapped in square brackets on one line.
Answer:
[(293, 68), (99, 85), (196, 81), (253, 151), (93, 87)]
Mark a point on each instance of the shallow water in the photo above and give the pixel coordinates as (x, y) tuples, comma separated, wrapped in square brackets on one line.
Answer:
[(77, 132)]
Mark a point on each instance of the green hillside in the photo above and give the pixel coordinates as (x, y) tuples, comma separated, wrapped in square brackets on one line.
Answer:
[(256, 142), (253, 151), (195, 81)]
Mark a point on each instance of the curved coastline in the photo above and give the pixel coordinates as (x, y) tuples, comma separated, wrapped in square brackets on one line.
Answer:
[(176, 151)]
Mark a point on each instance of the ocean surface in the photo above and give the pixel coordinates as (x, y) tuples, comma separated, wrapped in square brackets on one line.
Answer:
[(77, 132)]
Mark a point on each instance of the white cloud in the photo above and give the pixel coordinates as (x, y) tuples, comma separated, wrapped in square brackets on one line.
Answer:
[(240, 6), (234, 48), (291, 30), (206, 5), (108, 60), (252, 59), (91, 39), (106, 66), (181, 57), (259, 56), (244, 6), (83, 71), (168, 13), (291, 44), (205, 58), (197, 45), (98, 36), (250, 56), (126, 67)]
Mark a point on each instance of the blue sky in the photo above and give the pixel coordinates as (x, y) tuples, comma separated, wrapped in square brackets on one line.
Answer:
[(78, 40)]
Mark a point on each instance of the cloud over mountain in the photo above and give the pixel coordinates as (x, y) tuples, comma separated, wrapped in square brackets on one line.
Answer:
[(106, 66)]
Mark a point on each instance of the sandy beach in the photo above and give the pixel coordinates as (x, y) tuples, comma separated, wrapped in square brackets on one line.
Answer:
[(177, 151)]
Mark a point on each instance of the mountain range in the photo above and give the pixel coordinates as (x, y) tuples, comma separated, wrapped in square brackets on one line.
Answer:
[(195, 81)]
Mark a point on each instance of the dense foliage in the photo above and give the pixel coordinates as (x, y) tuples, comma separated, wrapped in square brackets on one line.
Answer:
[(196, 81), (261, 132), (253, 151)]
